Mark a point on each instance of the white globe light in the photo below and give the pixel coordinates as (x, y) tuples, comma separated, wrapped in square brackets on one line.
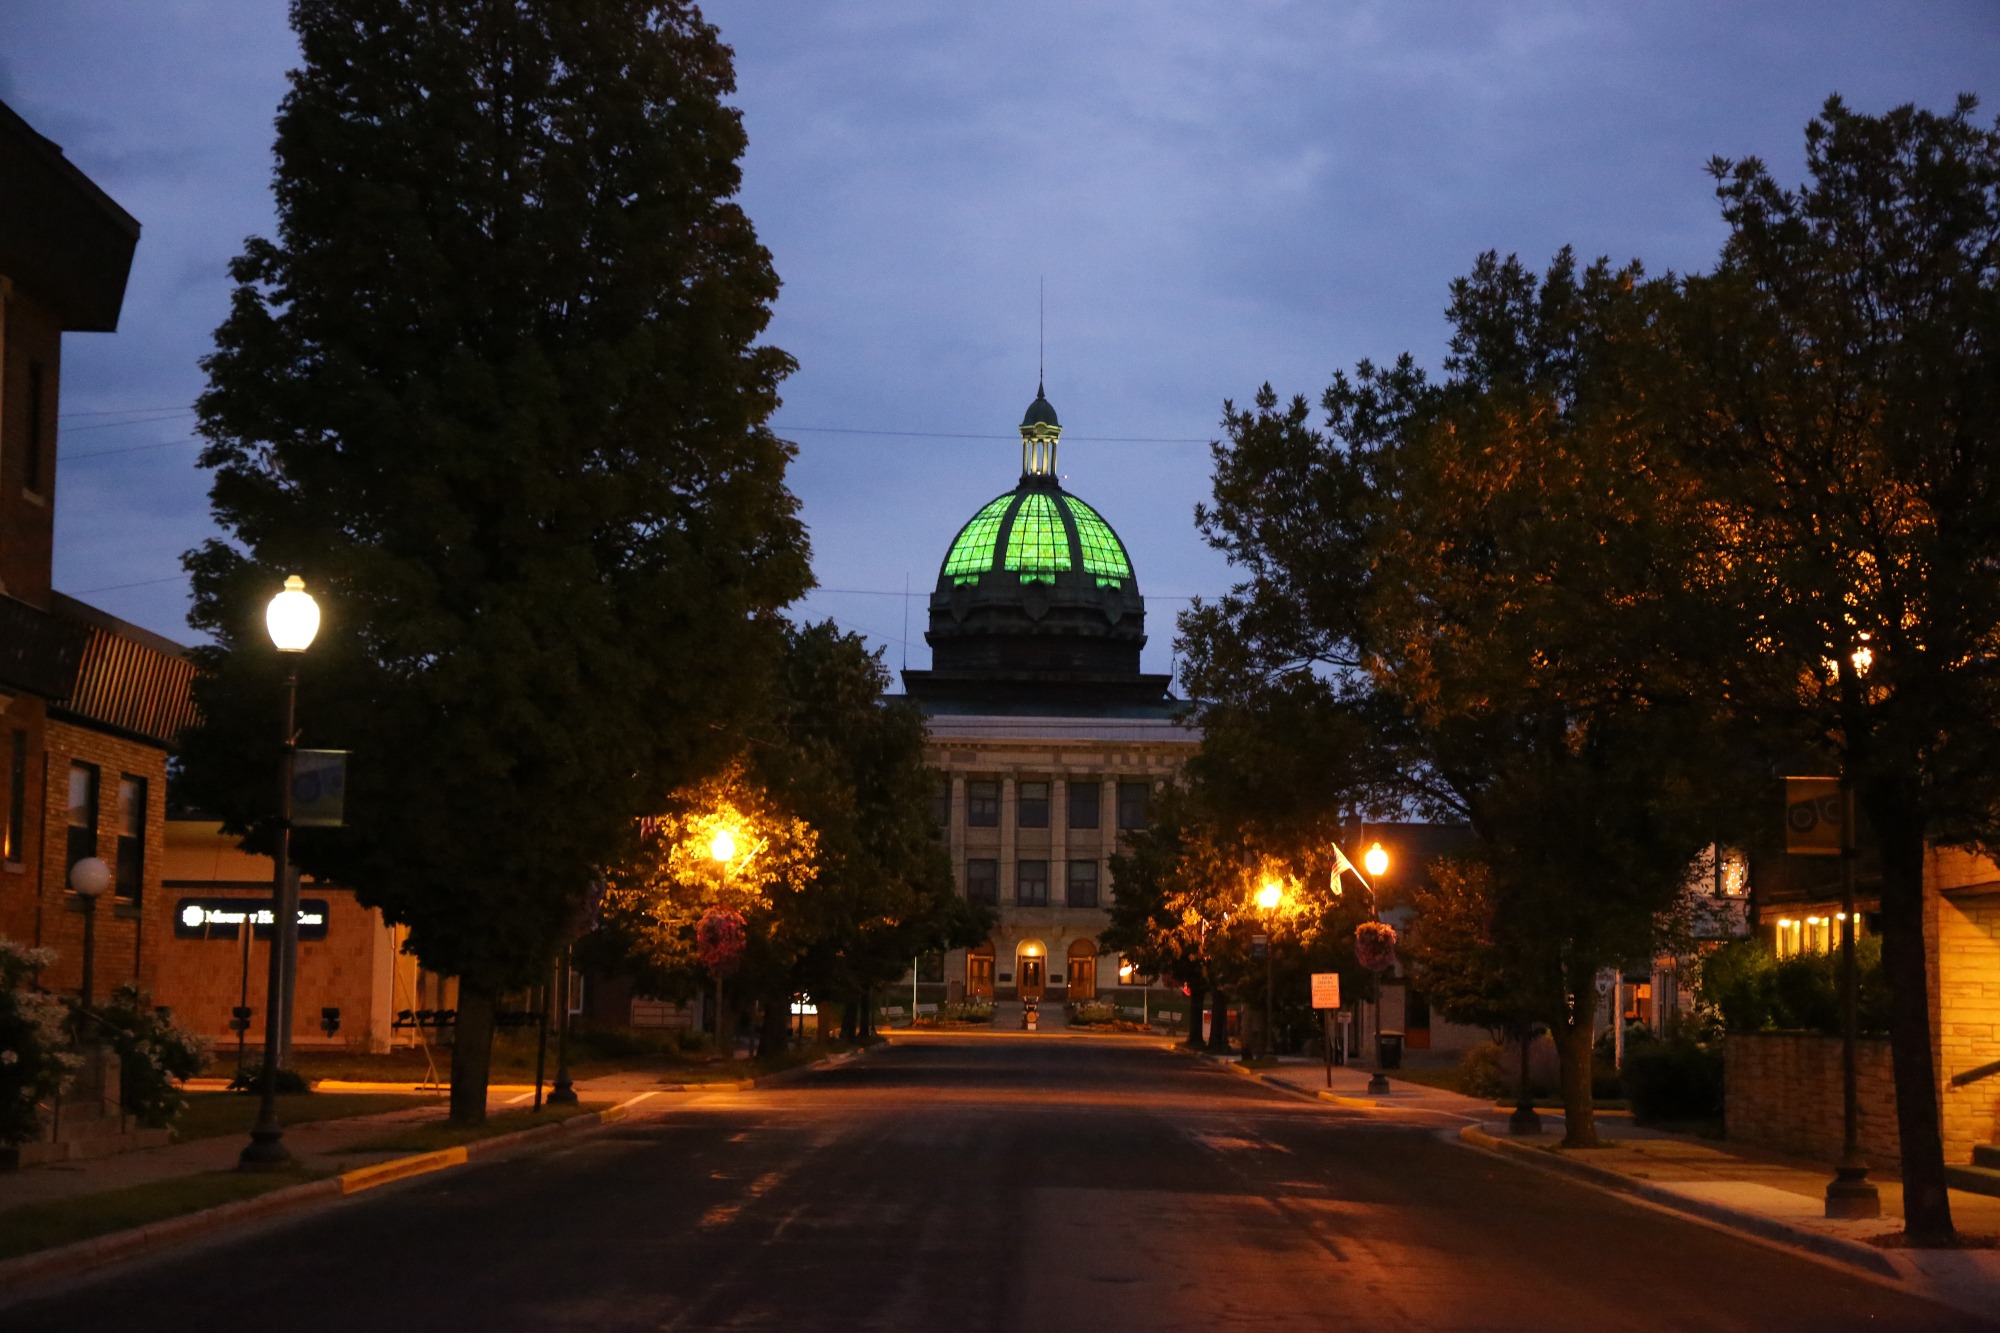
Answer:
[(90, 876), (724, 846), (1375, 859), (1270, 895), (292, 617)]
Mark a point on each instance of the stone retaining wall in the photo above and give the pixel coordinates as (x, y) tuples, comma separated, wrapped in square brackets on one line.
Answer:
[(1782, 1091)]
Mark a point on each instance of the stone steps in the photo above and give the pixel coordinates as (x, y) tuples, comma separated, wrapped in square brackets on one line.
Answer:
[(1983, 1176), (1987, 1155)]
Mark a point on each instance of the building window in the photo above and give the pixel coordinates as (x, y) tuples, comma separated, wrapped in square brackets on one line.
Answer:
[(982, 881), (1083, 883), (131, 837), (1031, 883), (1086, 800), (82, 815), (36, 395), (17, 799), (1133, 800), (1031, 805), (982, 804)]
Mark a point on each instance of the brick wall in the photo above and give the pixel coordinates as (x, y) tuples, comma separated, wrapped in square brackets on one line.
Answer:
[(126, 932), (1968, 1007), (1782, 1090)]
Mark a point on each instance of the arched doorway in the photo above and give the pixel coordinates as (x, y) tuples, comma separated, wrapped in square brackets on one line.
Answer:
[(1031, 967), (1083, 970), (979, 972)]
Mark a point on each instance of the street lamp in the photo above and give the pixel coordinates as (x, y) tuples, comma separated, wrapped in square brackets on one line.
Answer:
[(1270, 895), (89, 877), (1376, 861), (292, 619)]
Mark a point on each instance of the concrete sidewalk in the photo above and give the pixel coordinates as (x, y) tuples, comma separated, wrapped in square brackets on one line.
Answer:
[(1777, 1198)]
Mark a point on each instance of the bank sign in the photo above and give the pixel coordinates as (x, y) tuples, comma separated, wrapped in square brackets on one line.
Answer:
[(222, 918)]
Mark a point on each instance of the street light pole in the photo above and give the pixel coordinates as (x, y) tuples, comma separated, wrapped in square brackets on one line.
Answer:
[(1850, 1193), (293, 621), (89, 878)]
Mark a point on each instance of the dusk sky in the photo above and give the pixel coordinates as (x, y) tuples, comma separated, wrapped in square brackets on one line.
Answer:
[(1216, 194)]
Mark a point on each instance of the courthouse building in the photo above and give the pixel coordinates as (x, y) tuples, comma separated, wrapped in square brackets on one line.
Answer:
[(1051, 737)]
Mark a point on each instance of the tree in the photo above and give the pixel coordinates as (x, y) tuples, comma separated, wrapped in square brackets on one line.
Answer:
[(1842, 406), (1491, 570), (1177, 888), (495, 391)]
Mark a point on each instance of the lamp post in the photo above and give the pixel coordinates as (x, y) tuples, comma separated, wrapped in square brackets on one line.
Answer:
[(1850, 1193), (292, 619), (564, 1091), (1269, 896), (89, 877), (1376, 862)]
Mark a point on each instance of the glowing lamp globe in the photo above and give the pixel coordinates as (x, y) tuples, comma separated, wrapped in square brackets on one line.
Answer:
[(90, 876), (292, 617), (1375, 859), (1270, 895), (723, 848)]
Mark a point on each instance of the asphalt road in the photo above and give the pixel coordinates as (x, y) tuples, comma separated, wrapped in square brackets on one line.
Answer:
[(986, 1183)]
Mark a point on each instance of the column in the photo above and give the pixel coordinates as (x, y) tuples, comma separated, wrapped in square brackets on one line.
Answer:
[(1059, 841), (1009, 818)]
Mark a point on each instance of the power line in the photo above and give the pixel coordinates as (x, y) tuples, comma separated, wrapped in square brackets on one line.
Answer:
[(128, 449), (175, 408), (135, 421), (965, 435), (142, 583)]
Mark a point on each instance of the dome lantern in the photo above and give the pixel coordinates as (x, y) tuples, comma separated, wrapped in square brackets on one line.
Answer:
[(1040, 432)]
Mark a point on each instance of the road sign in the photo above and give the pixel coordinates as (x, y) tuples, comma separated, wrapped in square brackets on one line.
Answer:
[(1260, 946), (1326, 990)]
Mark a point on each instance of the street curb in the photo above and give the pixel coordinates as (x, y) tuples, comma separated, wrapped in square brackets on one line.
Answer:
[(780, 1078), (84, 1255), (1850, 1252)]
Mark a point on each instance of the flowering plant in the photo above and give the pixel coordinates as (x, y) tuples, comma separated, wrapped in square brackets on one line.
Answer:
[(1375, 945), (35, 1060), (155, 1054), (719, 940)]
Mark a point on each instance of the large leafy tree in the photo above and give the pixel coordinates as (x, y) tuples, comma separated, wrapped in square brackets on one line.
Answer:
[(1843, 395), (494, 389), (1486, 567)]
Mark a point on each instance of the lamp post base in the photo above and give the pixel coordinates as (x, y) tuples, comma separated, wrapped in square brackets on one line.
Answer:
[(1850, 1194), (266, 1151), (1378, 1084), (563, 1093), (1525, 1120)]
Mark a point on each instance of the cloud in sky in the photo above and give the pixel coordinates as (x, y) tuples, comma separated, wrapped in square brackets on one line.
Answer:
[(1217, 193)]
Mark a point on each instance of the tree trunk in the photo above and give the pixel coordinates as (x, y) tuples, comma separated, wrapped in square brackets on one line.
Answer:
[(850, 1023), (1218, 1023), (1573, 1043), (471, 1054), (776, 1031), (1196, 994), (1926, 1205)]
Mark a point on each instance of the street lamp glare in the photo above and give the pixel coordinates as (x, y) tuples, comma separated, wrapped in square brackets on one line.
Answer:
[(90, 876), (1376, 859), (292, 617), (1270, 895), (723, 847)]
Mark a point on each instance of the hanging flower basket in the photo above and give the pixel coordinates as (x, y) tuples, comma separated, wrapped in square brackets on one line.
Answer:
[(719, 939), (1375, 945)]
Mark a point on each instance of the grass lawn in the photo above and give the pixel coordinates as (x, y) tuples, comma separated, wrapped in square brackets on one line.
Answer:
[(439, 1134), (38, 1226), (1431, 1076), (209, 1114)]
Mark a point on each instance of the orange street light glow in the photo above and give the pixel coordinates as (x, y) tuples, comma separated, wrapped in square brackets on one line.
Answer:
[(1270, 895), (723, 848), (1375, 860)]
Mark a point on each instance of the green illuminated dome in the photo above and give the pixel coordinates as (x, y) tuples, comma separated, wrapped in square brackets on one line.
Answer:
[(1036, 604)]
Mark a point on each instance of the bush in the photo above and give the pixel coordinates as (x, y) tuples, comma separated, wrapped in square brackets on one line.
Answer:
[(1091, 1012), (1756, 992), (154, 1055), (1673, 1078), (967, 1011), (250, 1079), (34, 1058), (1483, 1072)]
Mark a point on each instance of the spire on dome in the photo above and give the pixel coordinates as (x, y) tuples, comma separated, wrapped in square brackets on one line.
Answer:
[(1039, 433)]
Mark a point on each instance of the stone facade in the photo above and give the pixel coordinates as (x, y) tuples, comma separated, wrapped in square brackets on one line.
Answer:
[(1060, 752)]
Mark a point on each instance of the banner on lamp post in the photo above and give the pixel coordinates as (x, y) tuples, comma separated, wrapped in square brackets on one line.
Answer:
[(319, 788), (1812, 816)]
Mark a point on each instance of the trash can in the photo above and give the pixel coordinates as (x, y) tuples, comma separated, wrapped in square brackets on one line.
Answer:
[(1389, 1050)]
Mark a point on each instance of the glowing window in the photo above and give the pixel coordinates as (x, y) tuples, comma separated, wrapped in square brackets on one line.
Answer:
[(1103, 555), (972, 551), (1038, 546)]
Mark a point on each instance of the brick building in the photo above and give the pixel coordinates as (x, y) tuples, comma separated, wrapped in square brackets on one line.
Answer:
[(88, 704)]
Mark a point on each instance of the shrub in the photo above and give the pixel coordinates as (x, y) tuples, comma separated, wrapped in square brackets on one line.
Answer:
[(154, 1055), (1673, 1078), (1091, 1012), (34, 1058), (1755, 991), (250, 1079), (1483, 1072), (967, 1011)]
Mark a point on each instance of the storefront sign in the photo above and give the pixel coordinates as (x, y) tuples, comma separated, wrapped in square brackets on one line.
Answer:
[(222, 918)]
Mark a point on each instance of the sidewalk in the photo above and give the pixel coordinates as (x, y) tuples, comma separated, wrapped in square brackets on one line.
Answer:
[(1765, 1194)]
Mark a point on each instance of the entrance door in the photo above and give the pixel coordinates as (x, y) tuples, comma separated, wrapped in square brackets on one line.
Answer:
[(1083, 972), (979, 973), (1031, 978)]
